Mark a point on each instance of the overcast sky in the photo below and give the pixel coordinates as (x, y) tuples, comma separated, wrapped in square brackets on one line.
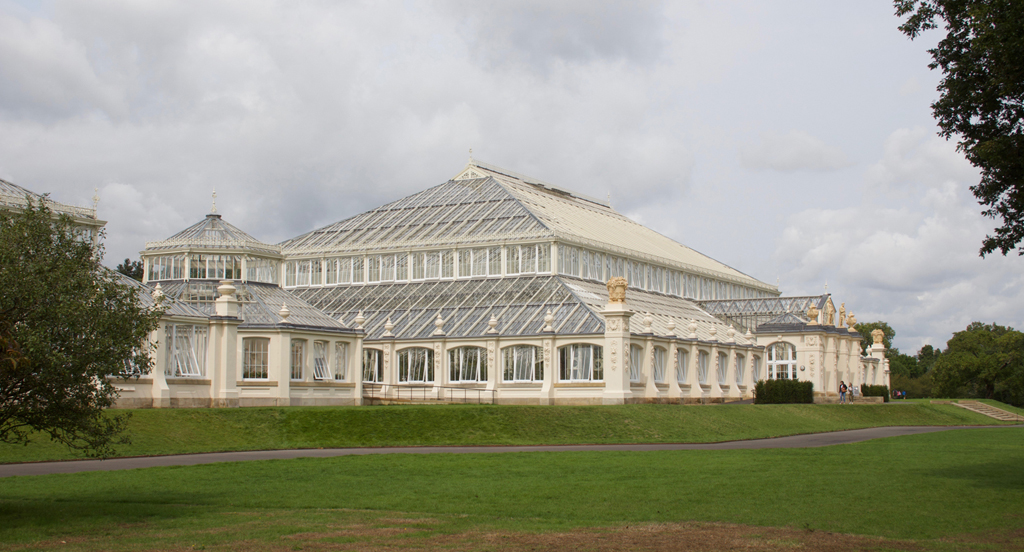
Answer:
[(792, 140)]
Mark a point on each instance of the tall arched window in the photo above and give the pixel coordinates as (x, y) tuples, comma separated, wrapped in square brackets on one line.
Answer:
[(523, 363), (703, 360), (781, 361), (636, 362), (373, 366), (741, 367), (580, 362), (659, 365), (416, 365), (682, 365), (467, 364), (755, 368), (723, 367)]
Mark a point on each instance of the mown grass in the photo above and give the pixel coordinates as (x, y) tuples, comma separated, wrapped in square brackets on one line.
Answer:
[(177, 431), (924, 487)]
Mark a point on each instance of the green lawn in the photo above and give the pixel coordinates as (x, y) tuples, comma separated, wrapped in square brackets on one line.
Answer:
[(959, 484), (172, 431)]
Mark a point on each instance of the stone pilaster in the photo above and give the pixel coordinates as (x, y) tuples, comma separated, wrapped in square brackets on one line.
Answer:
[(616, 345)]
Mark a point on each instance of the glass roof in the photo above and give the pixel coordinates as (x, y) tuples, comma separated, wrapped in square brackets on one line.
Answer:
[(485, 204), (171, 306), (13, 195), (751, 313), (213, 232), (519, 305), (456, 212), (259, 304)]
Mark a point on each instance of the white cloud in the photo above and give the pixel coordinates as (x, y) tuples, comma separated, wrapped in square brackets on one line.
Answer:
[(793, 151), (913, 263)]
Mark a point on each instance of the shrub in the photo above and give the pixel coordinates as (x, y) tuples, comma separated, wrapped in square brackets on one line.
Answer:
[(875, 391), (783, 392)]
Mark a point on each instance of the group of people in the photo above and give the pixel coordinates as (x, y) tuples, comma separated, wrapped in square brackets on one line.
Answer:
[(899, 394), (843, 389)]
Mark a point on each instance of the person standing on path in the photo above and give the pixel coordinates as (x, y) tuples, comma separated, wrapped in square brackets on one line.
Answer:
[(842, 392)]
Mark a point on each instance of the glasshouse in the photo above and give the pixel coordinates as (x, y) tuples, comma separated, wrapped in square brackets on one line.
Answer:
[(491, 287)]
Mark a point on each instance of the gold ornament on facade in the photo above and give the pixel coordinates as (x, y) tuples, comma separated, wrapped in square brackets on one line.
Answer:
[(812, 315), (842, 314), (851, 321), (830, 313), (617, 290)]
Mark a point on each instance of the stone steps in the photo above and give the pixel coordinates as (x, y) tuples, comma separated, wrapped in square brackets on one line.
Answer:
[(990, 411)]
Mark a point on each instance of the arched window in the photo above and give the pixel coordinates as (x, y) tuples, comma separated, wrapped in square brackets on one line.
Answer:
[(298, 359), (255, 357), (340, 360), (755, 368), (523, 363), (373, 366), (682, 365), (723, 367), (321, 368), (703, 360), (580, 362), (467, 364), (741, 367), (636, 362), (416, 365), (659, 365), (781, 361)]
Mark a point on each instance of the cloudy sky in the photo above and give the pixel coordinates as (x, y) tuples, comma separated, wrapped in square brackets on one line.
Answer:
[(792, 140)]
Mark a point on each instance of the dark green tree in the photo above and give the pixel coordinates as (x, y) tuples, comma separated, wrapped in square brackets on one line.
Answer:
[(984, 360), (901, 364), (981, 99), (131, 269), (67, 324), (926, 358)]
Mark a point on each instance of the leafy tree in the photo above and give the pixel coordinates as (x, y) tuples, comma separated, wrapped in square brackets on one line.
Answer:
[(131, 269), (981, 99), (865, 329), (985, 360), (66, 323), (926, 358), (901, 364)]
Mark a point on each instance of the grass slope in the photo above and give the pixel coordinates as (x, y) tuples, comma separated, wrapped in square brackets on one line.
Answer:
[(175, 431), (924, 487)]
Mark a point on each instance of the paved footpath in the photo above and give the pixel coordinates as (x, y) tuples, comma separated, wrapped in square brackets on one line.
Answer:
[(792, 441)]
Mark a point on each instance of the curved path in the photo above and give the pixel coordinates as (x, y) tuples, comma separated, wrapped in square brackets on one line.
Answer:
[(792, 441)]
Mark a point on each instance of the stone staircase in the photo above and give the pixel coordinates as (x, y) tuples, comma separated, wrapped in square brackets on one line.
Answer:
[(990, 411)]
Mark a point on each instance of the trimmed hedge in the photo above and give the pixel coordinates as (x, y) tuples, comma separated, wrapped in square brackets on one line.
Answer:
[(782, 391), (875, 391)]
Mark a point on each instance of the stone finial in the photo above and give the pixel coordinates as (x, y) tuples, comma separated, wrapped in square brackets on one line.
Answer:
[(730, 335), (851, 321), (438, 323), (714, 333), (359, 320), (812, 316), (671, 326), (158, 294), (492, 325), (388, 326), (548, 319), (749, 336), (284, 313), (617, 290), (225, 289), (877, 335), (648, 320), (96, 199), (213, 207), (693, 329)]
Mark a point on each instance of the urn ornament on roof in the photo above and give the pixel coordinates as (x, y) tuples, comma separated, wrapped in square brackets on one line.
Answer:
[(877, 335), (617, 290)]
